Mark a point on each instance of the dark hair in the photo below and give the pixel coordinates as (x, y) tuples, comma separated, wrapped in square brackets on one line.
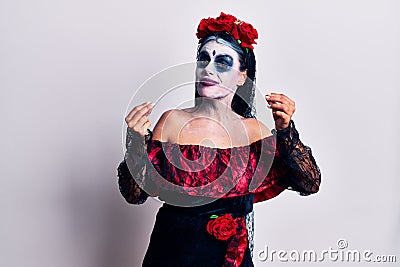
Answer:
[(243, 100)]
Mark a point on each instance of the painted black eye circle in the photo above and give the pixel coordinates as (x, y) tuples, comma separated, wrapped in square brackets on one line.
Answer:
[(203, 59), (223, 63), (222, 67)]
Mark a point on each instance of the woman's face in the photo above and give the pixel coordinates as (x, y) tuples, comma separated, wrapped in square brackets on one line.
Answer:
[(217, 71)]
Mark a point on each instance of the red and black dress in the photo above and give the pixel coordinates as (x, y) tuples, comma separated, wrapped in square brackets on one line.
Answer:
[(209, 193)]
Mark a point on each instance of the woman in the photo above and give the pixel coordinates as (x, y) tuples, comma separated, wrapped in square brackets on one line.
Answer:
[(212, 162)]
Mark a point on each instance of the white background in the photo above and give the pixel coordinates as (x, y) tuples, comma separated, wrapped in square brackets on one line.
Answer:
[(69, 68)]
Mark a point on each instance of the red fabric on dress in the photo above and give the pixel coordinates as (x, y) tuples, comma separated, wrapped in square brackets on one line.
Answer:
[(237, 245), (214, 172)]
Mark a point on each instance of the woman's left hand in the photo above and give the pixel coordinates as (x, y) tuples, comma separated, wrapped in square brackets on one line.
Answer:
[(282, 109)]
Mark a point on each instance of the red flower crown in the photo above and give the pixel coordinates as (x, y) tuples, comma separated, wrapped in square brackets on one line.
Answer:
[(243, 32)]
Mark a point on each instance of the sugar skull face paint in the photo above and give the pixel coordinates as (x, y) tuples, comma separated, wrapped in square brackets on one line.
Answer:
[(222, 63), (217, 70)]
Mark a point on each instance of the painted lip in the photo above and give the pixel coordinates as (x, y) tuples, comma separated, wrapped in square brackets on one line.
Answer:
[(208, 82)]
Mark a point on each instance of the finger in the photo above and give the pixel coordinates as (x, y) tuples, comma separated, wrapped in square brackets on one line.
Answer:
[(142, 130), (144, 111), (138, 125), (136, 109), (285, 105), (283, 96), (272, 98), (282, 107), (281, 114), (146, 126), (139, 110), (275, 97)]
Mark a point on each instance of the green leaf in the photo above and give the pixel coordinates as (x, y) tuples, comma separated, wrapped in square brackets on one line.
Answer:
[(213, 216)]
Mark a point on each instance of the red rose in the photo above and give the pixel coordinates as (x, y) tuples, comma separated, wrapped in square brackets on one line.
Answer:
[(218, 26), (222, 227), (227, 20), (203, 26), (222, 23), (247, 35), (235, 32)]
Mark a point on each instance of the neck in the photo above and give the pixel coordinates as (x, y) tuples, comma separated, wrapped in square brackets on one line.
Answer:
[(217, 109)]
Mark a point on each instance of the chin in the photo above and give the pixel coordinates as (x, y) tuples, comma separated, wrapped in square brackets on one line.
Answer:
[(207, 91), (214, 92)]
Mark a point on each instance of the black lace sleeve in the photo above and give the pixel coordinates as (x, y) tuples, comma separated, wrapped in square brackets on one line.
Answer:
[(128, 187), (304, 175), (132, 170)]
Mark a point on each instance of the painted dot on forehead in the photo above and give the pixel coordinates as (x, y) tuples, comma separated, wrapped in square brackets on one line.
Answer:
[(214, 53)]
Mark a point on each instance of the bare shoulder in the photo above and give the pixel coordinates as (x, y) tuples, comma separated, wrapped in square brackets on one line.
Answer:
[(256, 129), (169, 121)]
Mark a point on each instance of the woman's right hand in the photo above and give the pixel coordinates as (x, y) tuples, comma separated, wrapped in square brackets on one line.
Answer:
[(138, 120)]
